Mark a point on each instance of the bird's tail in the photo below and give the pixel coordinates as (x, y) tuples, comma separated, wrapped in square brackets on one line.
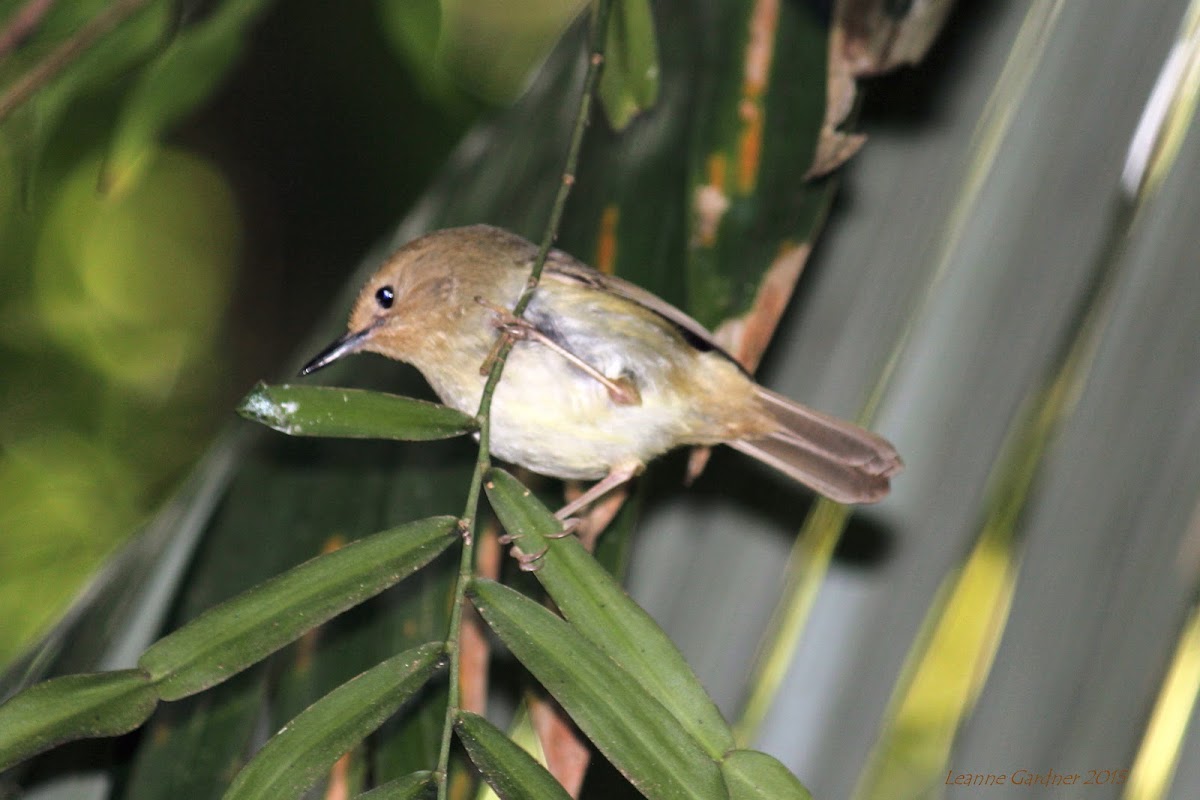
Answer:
[(836, 458)]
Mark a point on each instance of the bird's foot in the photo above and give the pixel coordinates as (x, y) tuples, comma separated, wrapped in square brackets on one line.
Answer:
[(528, 562)]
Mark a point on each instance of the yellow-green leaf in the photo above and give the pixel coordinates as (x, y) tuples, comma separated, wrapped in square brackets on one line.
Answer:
[(174, 83), (629, 82), (751, 775)]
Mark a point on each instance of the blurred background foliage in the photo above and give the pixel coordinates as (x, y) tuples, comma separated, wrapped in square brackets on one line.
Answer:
[(175, 210), (1016, 604)]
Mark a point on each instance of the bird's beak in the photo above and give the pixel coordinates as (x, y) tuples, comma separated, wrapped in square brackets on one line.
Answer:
[(347, 344)]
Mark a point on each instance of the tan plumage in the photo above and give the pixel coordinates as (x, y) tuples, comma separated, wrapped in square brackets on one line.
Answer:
[(659, 382)]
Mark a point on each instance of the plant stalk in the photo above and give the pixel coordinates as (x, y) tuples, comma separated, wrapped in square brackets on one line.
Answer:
[(468, 521)]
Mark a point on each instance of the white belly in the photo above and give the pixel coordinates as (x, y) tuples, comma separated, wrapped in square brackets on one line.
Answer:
[(550, 417)]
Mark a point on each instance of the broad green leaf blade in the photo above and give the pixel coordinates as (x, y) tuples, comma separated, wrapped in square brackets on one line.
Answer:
[(756, 125), (751, 775), (227, 639), (409, 787), (629, 82), (174, 83), (599, 608), (628, 724), (507, 768), (351, 413), (309, 745), (73, 707)]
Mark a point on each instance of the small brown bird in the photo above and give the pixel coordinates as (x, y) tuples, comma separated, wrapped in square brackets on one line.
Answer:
[(604, 375)]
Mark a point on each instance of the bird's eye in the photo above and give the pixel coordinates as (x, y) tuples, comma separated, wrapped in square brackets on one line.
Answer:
[(385, 297)]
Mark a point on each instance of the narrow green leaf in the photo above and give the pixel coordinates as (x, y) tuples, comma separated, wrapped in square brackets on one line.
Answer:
[(751, 775), (307, 747), (508, 769), (139, 29), (351, 413), (599, 608), (174, 83), (628, 724), (418, 608), (73, 707), (629, 82), (227, 639), (409, 787)]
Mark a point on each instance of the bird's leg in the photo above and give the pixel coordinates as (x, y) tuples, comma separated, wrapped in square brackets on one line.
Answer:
[(621, 473), (589, 529), (588, 526), (569, 526), (621, 391)]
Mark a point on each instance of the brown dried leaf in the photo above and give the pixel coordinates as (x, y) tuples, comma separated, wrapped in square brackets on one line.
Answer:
[(834, 147), (746, 337), (338, 787), (874, 40), (567, 753), (475, 653), (865, 39)]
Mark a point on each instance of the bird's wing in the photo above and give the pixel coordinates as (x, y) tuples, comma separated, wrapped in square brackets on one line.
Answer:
[(561, 266)]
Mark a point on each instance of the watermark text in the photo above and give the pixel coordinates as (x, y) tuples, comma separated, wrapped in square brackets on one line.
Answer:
[(1025, 777)]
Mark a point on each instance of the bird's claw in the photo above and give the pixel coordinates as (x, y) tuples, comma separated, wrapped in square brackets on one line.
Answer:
[(569, 526), (529, 562)]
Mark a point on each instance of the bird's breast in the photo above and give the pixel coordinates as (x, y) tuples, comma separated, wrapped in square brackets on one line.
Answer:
[(551, 417)]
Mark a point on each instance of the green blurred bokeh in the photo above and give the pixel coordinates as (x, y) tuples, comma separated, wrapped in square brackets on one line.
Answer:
[(141, 292)]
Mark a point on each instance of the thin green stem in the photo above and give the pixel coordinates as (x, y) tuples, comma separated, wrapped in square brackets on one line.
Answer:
[(600, 11), (466, 568)]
